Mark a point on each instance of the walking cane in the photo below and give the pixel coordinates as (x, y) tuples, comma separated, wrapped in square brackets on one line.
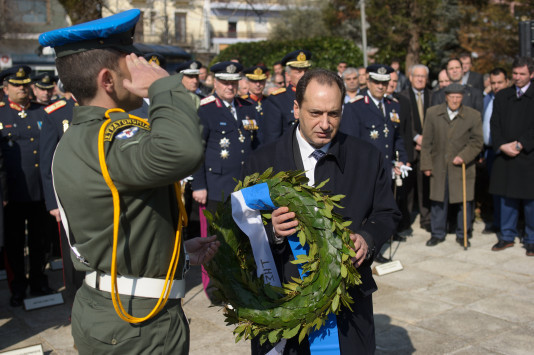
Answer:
[(465, 206)]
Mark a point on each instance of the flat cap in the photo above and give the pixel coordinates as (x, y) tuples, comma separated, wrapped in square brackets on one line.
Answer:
[(256, 72), (379, 72), (44, 81), (227, 70), (110, 32), (298, 59), (17, 75), (454, 88), (191, 67)]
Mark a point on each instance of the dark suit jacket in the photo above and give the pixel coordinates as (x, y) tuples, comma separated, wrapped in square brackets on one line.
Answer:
[(415, 124), (355, 169), (476, 80)]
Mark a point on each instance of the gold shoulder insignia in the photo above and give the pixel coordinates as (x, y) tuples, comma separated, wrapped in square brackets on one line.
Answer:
[(56, 105), (2, 103), (207, 100), (356, 98), (244, 97), (279, 91)]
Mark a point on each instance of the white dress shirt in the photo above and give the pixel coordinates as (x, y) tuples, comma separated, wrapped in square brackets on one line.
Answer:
[(308, 160)]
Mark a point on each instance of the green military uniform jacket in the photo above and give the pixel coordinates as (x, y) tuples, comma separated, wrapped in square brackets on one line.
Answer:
[(143, 163)]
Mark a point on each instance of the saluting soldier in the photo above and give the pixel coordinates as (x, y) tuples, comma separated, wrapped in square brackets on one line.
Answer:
[(114, 177), (279, 109), (191, 71), (229, 131), (43, 86), (257, 77), (20, 127)]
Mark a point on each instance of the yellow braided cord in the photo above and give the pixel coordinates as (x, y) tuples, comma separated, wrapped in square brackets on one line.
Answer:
[(182, 220)]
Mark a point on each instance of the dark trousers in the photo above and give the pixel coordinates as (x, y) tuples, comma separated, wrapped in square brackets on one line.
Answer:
[(423, 196), (438, 216), (16, 216)]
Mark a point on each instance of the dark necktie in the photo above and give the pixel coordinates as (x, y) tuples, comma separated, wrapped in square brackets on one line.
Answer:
[(318, 154), (381, 108), (519, 92)]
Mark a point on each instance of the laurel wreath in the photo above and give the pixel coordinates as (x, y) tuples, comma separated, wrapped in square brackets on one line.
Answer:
[(272, 313)]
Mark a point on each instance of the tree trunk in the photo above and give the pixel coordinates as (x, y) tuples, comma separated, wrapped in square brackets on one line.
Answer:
[(82, 11)]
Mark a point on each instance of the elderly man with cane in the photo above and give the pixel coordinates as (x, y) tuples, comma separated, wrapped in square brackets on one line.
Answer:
[(452, 138)]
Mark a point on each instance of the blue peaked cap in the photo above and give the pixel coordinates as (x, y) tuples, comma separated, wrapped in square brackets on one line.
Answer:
[(115, 31)]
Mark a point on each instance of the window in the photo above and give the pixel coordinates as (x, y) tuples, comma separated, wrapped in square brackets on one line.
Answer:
[(232, 29), (30, 11), (180, 34)]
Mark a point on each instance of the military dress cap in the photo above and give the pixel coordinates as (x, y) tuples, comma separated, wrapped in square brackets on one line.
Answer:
[(110, 32), (191, 67), (44, 81), (256, 72), (227, 70), (298, 59), (379, 72), (454, 88), (17, 75), (156, 58)]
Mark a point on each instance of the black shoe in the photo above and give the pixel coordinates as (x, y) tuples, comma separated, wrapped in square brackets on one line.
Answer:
[(461, 242), (501, 245), (381, 259), (530, 249), (434, 241), (41, 291), (427, 227), (406, 233), (398, 238), (16, 300)]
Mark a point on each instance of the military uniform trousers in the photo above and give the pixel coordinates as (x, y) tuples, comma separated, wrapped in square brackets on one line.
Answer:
[(97, 329), (16, 214)]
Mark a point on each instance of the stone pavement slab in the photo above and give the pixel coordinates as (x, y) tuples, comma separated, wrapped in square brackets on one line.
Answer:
[(446, 301)]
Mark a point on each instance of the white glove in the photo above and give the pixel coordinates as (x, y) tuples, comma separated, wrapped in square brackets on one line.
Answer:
[(404, 170)]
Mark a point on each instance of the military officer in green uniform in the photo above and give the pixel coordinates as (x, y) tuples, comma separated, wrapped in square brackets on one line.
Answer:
[(114, 175)]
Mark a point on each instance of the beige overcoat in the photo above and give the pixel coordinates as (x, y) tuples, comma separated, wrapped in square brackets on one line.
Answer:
[(443, 140)]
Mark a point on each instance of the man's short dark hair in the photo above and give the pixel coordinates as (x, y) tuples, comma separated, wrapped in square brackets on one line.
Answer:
[(464, 55), (78, 72), (522, 61), (323, 77), (498, 71), (452, 59)]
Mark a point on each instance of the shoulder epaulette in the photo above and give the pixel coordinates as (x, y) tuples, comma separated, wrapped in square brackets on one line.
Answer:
[(279, 91), (2, 103), (56, 105), (356, 98), (207, 100), (244, 97)]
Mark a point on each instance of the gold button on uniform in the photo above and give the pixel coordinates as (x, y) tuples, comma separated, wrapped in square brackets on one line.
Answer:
[(36, 165), (29, 127), (34, 152), (113, 341), (31, 139)]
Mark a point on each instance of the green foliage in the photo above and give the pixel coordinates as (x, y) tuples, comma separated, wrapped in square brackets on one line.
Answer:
[(272, 313), (326, 52)]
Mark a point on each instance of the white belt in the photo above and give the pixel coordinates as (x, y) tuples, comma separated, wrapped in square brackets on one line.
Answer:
[(134, 286)]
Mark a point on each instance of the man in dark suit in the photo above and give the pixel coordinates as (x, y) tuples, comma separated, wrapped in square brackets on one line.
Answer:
[(316, 146), (512, 133), (472, 97), (469, 77), (279, 109), (229, 130), (419, 97)]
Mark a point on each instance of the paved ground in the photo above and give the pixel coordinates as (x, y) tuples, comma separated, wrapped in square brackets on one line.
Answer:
[(445, 301)]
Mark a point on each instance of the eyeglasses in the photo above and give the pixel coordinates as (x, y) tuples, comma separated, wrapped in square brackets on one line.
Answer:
[(280, 82)]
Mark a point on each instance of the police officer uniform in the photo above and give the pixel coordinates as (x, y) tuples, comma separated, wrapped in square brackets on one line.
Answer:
[(156, 58), (143, 159), (57, 120), (192, 68), (20, 127), (45, 81), (229, 132), (279, 109), (376, 121), (255, 74)]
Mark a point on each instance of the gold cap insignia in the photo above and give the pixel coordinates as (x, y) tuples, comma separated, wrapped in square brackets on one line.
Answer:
[(46, 79), (21, 73), (301, 57), (231, 69), (154, 59), (258, 71), (193, 65), (382, 70)]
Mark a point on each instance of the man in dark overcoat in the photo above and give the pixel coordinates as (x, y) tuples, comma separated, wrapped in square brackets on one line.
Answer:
[(355, 169), (512, 133)]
